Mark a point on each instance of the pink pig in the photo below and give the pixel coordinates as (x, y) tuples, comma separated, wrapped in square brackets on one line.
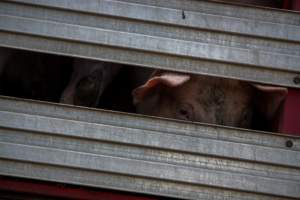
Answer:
[(208, 99)]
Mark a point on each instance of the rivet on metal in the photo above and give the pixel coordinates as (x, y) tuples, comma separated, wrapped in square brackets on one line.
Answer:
[(289, 143), (297, 80)]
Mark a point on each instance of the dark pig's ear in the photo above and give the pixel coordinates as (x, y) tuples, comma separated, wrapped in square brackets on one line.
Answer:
[(269, 99), (170, 79)]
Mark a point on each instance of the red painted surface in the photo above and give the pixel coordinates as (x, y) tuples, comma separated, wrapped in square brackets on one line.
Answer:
[(291, 4), (296, 5), (286, 4), (65, 191), (290, 119)]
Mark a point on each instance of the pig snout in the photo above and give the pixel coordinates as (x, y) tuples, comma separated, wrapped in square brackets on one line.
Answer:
[(207, 99)]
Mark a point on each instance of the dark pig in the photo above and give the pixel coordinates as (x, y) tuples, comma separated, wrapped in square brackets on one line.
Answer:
[(89, 80), (117, 95)]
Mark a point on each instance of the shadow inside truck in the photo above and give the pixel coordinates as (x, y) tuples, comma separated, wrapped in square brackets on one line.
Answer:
[(133, 89)]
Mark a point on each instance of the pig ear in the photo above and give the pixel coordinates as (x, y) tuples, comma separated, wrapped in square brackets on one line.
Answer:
[(168, 79), (269, 99)]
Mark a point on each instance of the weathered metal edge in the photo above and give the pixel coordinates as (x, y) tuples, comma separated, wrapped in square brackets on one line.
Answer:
[(156, 139), (149, 28), (121, 182), (139, 152), (211, 67), (226, 8), (147, 59), (153, 170), (141, 168), (160, 12), (91, 115), (226, 42), (146, 43)]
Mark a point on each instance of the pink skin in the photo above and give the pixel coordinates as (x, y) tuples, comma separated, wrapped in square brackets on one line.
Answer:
[(88, 82), (207, 99)]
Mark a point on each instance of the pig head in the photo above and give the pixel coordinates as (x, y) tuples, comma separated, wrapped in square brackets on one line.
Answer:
[(88, 82), (207, 99)]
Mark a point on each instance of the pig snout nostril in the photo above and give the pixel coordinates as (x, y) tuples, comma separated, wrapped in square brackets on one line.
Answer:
[(183, 112)]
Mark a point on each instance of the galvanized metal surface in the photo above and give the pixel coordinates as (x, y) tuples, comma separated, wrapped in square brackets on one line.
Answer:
[(214, 39), (197, 14), (134, 153)]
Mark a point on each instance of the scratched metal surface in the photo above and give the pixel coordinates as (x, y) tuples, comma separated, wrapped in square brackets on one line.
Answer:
[(152, 155), (201, 37), (142, 154)]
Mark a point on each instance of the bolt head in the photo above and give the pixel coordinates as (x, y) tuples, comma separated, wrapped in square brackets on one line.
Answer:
[(297, 80), (289, 143)]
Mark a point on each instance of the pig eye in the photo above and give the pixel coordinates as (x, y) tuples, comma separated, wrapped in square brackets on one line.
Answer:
[(185, 112)]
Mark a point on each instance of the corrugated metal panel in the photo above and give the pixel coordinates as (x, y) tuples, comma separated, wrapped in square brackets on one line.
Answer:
[(193, 36), (149, 155)]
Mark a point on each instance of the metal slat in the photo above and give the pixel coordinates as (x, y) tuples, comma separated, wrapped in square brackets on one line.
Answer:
[(149, 169), (34, 137), (166, 12), (15, 105), (150, 43), (113, 181), (153, 60), (82, 33), (142, 27), (152, 139), (131, 151), (135, 153)]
